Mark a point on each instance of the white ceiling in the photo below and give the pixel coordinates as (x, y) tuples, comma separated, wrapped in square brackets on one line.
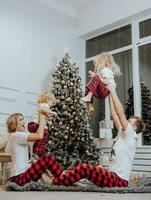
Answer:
[(68, 7), (75, 3), (60, 11)]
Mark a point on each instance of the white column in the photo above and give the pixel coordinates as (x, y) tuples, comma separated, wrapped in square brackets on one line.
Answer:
[(107, 112), (108, 120), (136, 74)]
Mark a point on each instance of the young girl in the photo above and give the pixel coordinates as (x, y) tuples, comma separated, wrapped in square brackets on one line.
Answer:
[(46, 100), (22, 171), (105, 70)]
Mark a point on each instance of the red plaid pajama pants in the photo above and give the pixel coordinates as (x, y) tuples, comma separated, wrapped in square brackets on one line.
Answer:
[(95, 174), (97, 88), (47, 162), (39, 147)]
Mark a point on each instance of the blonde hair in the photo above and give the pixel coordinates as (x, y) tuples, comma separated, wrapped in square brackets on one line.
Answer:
[(46, 96), (105, 59), (12, 122)]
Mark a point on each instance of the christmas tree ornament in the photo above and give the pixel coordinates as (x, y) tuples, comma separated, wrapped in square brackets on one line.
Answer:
[(66, 137)]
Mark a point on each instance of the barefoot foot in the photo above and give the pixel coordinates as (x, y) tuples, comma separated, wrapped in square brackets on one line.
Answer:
[(85, 99)]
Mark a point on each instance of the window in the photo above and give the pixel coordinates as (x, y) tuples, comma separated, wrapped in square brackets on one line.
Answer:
[(140, 53), (125, 81), (145, 77), (145, 28), (145, 64), (109, 41)]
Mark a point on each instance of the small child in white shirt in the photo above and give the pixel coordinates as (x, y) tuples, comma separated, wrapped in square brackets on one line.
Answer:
[(45, 100), (105, 70)]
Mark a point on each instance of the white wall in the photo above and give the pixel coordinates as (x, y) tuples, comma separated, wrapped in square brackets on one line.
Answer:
[(101, 13), (30, 47), (33, 39)]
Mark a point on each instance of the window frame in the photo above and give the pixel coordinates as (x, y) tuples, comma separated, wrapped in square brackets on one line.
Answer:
[(136, 43)]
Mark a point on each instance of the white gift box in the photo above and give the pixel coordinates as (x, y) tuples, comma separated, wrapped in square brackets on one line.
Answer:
[(105, 133), (108, 133), (102, 133)]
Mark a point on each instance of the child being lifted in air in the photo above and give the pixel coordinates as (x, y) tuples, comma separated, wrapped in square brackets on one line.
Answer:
[(105, 70), (46, 100)]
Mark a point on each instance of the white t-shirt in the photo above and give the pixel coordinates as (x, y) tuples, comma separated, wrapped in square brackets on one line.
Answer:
[(44, 105), (124, 148), (106, 72), (19, 152)]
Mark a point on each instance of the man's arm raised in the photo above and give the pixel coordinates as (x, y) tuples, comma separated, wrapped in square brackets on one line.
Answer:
[(118, 107), (114, 115)]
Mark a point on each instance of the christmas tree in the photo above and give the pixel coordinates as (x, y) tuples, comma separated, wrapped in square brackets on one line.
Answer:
[(70, 136), (146, 110)]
